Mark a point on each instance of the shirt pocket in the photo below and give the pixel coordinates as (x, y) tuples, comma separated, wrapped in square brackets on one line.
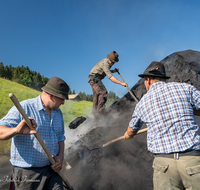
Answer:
[(193, 170)]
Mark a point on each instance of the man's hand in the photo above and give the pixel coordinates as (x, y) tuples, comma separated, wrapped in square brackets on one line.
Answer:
[(124, 84), (129, 134), (23, 129), (115, 70), (57, 166)]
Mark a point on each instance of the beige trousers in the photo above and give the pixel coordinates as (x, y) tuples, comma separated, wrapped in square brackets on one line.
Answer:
[(176, 174)]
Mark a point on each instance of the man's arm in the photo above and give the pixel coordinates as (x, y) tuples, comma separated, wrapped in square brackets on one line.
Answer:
[(59, 158), (21, 129), (61, 150), (113, 79), (7, 133)]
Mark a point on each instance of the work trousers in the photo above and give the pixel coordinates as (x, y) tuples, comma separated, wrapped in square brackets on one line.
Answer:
[(99, 96), (36, 179), (176, 174)]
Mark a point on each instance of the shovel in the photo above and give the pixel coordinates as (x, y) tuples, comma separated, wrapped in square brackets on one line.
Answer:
[(128, 89), (122, 137), (22, 112)]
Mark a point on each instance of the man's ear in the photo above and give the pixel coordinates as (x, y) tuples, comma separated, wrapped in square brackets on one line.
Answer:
[(50, 97), (148, 80)]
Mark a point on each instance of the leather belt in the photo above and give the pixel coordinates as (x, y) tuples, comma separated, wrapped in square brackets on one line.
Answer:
[(176, 155)]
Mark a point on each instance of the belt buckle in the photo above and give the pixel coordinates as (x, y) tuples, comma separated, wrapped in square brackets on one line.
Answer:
[(176, 156)]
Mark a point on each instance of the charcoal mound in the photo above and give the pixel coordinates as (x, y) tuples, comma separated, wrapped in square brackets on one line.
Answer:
[(126, 164)]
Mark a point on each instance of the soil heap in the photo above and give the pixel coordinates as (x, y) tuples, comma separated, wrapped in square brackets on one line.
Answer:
[(126, 164)]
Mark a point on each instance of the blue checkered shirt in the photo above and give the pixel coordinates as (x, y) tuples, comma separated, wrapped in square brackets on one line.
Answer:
[(25, 149), (167, 110)]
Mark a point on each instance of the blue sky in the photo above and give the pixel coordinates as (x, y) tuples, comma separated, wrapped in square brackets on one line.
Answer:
[(66, 38)]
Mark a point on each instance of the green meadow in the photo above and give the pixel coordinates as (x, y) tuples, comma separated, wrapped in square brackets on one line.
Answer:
[(20, 91), (70, 109)]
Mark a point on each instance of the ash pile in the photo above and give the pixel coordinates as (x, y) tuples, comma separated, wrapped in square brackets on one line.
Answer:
[(126, 164)]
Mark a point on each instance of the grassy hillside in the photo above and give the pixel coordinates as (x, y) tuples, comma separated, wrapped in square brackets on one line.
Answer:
[(20, 91), (70, 109)]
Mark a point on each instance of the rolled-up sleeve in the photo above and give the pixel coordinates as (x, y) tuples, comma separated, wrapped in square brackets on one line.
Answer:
[(136, 122), (12, 119)]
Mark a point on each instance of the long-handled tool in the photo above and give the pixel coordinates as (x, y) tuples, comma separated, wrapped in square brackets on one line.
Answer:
[(122, 137), (128, 89), (22, 112)]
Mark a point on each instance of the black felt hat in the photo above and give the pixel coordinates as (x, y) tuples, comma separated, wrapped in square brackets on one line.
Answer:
[(113, 56), (155, 69), (57, 87)]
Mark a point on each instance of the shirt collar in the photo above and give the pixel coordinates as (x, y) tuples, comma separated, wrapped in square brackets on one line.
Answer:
[(39, 103), (154, 85)]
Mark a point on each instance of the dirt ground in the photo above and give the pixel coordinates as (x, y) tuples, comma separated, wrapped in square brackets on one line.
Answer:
[(5, 171)]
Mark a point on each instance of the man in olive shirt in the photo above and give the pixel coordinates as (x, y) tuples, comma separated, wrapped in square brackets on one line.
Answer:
[(98, 72)]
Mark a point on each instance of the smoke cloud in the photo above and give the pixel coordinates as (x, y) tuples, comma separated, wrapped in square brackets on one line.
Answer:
[(126, 164)]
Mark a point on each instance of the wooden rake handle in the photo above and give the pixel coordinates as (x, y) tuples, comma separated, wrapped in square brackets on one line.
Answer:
[(128, 89), (22, 112), (122, 137)]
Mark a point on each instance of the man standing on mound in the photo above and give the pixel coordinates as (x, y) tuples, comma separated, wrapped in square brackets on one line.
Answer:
[(98, 72), (31, 167)]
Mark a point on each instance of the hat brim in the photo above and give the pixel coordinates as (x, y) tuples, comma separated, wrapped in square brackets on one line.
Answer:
[(153, 75), (49, 91)]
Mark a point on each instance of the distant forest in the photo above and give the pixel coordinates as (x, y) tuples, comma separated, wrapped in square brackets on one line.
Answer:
[(89, 97), (23, 75)]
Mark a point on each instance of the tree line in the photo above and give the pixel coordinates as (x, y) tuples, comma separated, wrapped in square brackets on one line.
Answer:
[(89, 97), (23, 75)]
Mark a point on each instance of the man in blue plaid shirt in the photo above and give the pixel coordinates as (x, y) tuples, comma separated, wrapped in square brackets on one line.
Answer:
[(168, 110), (31, 167)]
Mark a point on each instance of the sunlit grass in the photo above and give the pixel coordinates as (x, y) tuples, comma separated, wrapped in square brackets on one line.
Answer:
[(20, 91), (72, 109)]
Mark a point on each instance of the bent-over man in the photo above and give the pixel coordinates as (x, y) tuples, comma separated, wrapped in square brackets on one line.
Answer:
[(31, 167), (168, 111), (98, 72)]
